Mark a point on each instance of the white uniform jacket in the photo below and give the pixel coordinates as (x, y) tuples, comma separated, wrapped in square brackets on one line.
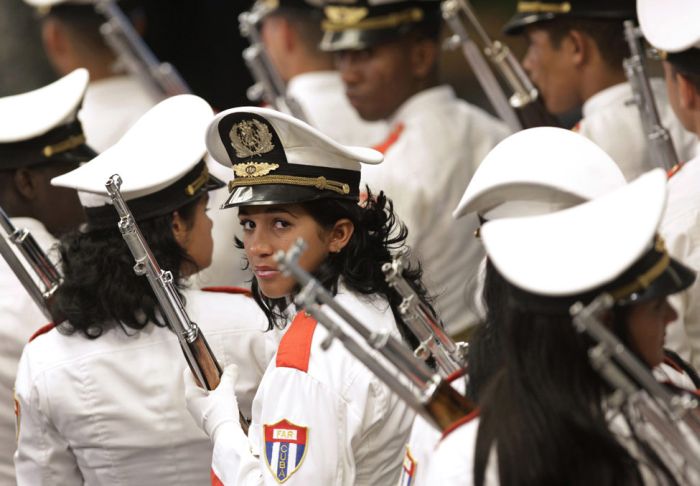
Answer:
[(111, 106), (680, 229), (20, 318), (111, 410), (319, 417), (321, 95), (436, 145), (614, 124)]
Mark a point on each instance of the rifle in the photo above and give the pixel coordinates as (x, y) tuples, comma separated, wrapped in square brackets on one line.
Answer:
[(197, 352), (268, 86), (673, 417), (44, 270), (422, 321), (430, 396), (524, 108), (161, 78), (660, 142)]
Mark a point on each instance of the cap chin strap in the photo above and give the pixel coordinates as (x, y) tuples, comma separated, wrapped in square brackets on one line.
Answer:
[(320, 183), (544, 7), (644, 280)]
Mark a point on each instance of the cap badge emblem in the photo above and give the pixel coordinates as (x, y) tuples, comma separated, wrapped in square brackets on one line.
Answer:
[(251, 137), (253, 169), (346, 16)]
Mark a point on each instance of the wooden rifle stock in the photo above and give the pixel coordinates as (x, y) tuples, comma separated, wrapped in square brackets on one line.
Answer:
[(447, 406)]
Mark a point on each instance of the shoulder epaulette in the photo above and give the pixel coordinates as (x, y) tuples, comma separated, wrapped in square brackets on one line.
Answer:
[(294, 349), (229, 290), (390, 140), (42, 330)]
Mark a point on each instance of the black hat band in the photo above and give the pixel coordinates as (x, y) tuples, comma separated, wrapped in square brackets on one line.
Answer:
[(343, 18)]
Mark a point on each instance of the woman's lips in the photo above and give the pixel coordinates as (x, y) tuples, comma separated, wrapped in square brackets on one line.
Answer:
[(265, 272)]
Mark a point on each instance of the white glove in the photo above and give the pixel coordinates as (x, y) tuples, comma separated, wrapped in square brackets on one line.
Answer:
[(211, 409)]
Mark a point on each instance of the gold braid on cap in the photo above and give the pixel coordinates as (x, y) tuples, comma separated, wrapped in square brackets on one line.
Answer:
[(343, 18), (644, 280), (320, 183), (544, 7), (67, 144), (194, 186)]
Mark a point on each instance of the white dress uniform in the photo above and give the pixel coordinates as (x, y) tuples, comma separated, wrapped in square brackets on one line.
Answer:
[(319, 417), (112, 105), (111, 410), (21, 317), (681, 231), (613, 122), (321, 95), (438, 143)]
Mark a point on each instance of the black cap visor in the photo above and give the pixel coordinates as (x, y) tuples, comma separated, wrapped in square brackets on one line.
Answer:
[(271, 194)]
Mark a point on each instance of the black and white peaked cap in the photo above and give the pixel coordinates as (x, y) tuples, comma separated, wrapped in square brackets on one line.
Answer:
[(41, 126), (278, 159), (160, 161), (609, 244), (537, 171)]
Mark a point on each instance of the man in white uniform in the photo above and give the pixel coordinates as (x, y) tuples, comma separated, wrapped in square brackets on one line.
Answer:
[(114, 100), (672, 28), (574, 57), (291, 32), (387, 54), (40, 138)]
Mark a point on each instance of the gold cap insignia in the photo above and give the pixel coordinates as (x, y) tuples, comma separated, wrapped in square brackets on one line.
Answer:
[(253, 169), (251, 137), (345, 16), (67, 144), (544, 7), (194, 187)]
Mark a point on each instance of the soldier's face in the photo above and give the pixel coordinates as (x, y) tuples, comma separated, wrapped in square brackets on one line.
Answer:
[(58, 208), (676, 100), (646, 329), (553, 70), (377, 79), (195, 237), (268, 229)]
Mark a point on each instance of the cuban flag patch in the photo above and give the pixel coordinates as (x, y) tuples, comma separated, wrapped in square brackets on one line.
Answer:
[(408, 469), (285, 446)]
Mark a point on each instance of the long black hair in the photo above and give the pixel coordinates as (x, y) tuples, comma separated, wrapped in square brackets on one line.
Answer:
[(100, 287), (377, 233), (543, 409)]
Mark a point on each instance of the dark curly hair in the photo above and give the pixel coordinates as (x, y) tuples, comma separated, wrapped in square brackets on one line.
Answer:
[(377, 233), (100, 288)]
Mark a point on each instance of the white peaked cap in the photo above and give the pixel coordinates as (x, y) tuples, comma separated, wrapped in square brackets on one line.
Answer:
[(163, 145), (670, 25), (31, 114), (581, 248), (278, 159), (302, 143), (41, 4), (537, 171)]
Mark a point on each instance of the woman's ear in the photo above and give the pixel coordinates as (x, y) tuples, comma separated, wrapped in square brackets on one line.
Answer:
[(180, 229), (340, 235)]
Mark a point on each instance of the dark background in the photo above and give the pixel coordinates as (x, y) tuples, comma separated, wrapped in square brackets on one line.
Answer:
[(200, 37)]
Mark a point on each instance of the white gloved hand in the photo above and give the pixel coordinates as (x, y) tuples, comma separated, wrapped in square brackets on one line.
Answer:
[(211, 409)]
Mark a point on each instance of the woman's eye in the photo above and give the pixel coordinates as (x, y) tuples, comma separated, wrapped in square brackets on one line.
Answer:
[(247, 224), (281, 224)]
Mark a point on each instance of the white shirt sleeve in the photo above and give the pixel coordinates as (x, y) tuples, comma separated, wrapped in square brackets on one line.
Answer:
[(43, 456)]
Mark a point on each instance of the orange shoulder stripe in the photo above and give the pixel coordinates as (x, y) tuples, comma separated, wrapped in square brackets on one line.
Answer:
[(390, 140), (457, 424), (215, 481), (42, 330), (228, 290), (294, 350)]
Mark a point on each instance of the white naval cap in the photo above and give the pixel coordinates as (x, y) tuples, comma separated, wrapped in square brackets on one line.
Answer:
[(159, 160), (47, 4), (538, 171), (670, 25), (42, 125), (607, 244), (278, 159)]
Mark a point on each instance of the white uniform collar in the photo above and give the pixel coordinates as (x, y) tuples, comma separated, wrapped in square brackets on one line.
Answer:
[(417, 104), (314, 79), (608, 96)]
